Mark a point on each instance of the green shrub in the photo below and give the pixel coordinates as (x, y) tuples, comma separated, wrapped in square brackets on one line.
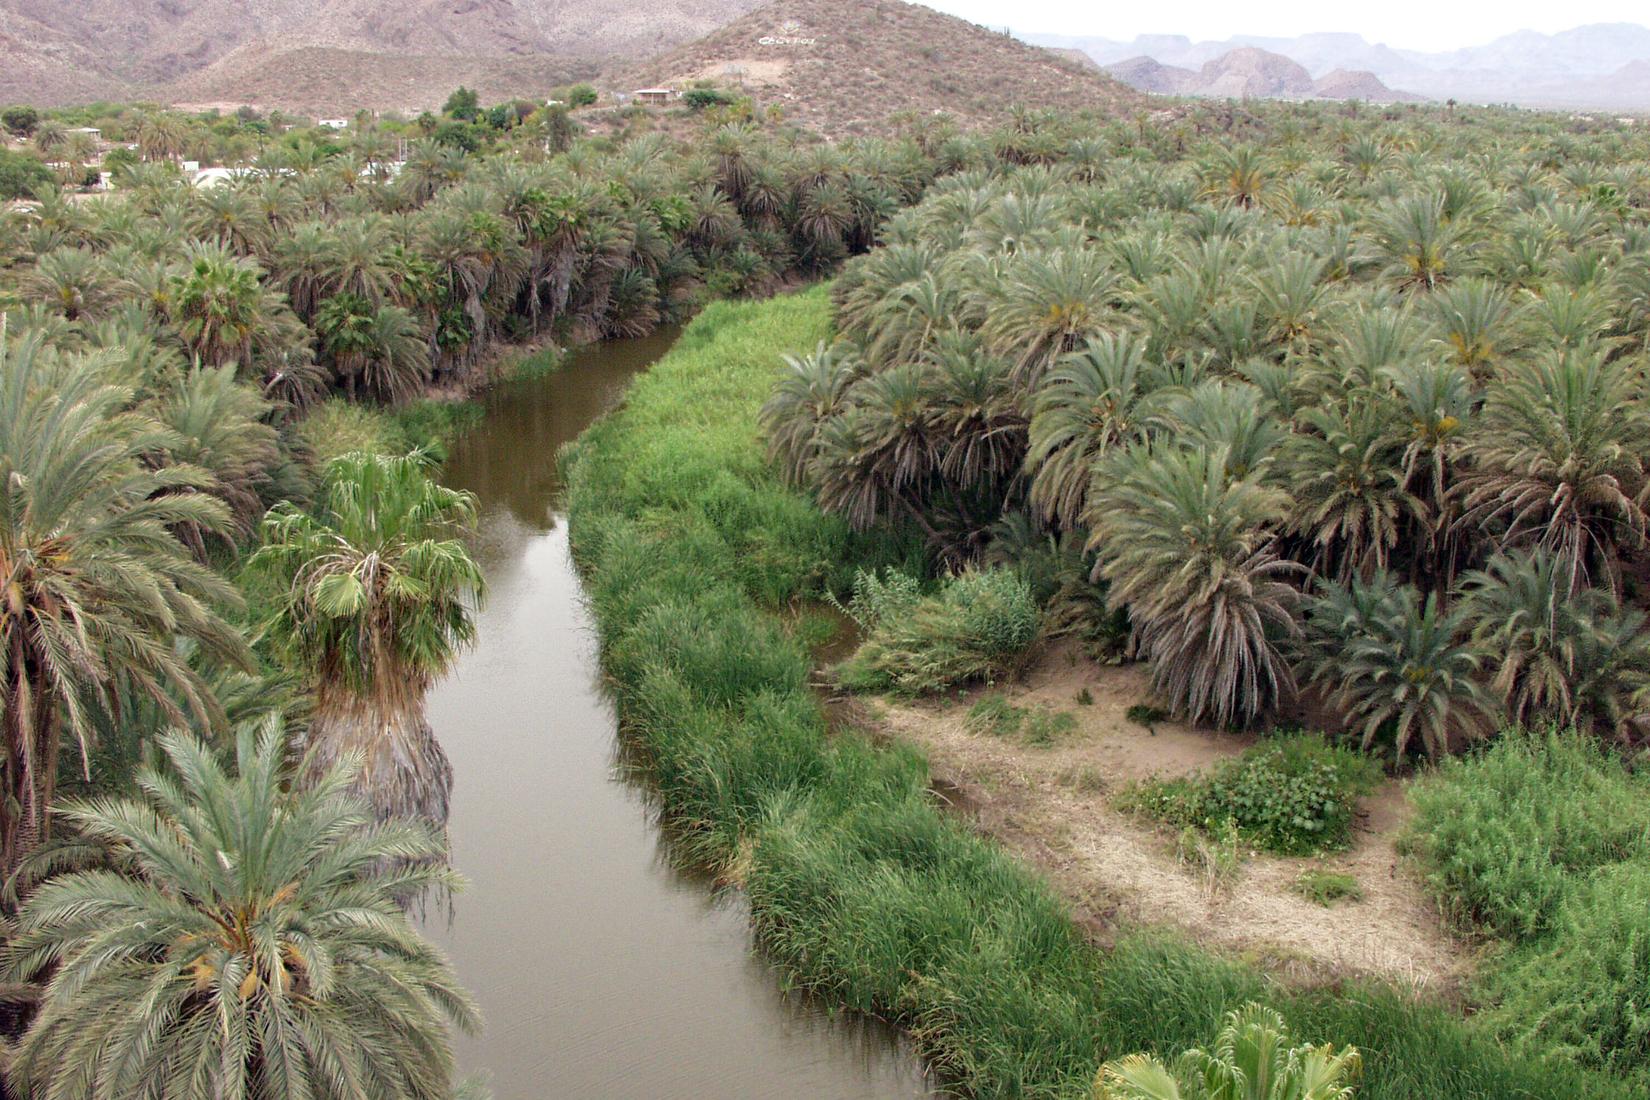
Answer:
[(1327, 887), (1583, 992), (1505, 834), (876, 598), (337, 427), (700, 99), (976, 629), (1293, 796)]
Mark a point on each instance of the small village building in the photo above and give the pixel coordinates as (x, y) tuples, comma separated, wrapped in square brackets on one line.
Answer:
[(333, 123), (653, 97)]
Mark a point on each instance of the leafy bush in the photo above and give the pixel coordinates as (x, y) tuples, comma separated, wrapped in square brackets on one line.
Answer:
[(1294, 796), (1587, 998), (976, 629), (876, 599), (1506, 834), (21, 175), (700, 99)]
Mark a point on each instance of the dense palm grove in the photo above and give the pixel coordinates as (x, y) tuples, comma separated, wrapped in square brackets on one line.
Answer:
[(1347, 417)]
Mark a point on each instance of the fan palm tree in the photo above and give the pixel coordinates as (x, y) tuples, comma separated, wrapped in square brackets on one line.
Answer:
[(1251, 1059), (379, 596), (99, 588), (1187, 549), (242, 940), (217, 302)]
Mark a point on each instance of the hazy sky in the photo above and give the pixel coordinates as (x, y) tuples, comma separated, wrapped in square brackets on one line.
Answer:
[(1414, 24)]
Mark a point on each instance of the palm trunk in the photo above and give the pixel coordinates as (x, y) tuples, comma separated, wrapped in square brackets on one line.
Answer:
[(404, 772), (32, 740)]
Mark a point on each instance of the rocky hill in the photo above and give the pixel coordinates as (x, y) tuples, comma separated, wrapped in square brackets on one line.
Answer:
[(1251, 73), (1248, 72), (1587, 66), (845, 66), (56, 51)]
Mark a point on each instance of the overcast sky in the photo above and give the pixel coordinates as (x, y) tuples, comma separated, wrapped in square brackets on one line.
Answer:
[(1412, 24)]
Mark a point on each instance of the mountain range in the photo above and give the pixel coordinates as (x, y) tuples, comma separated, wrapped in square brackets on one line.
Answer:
[(835, 66), (1601, 65), (56, 51), (1250, 72)]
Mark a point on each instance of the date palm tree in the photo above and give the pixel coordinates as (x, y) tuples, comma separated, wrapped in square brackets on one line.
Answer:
[(1396, 663), (1559, 461), (1187, 549), (99, 588), (1346, 472), (241, 940), (1572, 657), (379, 592), (1093, 401), (1046, 305), (811, 389)]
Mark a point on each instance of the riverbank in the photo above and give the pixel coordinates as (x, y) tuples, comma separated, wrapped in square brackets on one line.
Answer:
[(861, 887)]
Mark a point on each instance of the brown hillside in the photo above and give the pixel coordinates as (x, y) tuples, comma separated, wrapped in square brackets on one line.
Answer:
[(1251, 72), (58, 51), (1359, 84), (329, 81), (844, 66)]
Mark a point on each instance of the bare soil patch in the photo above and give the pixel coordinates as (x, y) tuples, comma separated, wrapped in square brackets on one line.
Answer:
[(1051, 804)]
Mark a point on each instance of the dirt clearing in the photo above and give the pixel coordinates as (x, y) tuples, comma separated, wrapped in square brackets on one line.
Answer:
[(1048, 799)]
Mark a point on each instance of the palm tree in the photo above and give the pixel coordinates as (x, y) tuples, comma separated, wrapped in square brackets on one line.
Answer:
[(99, 587), (1396, 663), (218, 426), (1347, 475), (379, 596), (1560, 461), (217, 303), (1417, 241), (1187, 549), (73, 282), (1094, 400), (242, 940), (1046, 305), (1571, 657), (811, 389), (1252, 1059)]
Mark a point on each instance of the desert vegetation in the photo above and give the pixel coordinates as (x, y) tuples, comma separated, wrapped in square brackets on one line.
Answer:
[(861, 886), (1318, 415)]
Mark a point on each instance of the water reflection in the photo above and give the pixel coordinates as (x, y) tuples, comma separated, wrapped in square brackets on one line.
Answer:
[(603, 969)]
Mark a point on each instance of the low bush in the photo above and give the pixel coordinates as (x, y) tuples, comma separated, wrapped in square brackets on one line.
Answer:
[(1543, 840), (977, 628), (337, 427), (1327, 887), (1505, 833), (1294, 796)]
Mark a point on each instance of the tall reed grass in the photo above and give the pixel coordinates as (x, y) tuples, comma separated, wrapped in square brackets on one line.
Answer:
[(860, 887)]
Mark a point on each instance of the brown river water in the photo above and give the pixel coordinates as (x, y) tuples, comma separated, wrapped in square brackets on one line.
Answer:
[(603, 970)]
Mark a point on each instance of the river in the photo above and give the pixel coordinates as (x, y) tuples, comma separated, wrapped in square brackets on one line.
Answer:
[(603, 970)]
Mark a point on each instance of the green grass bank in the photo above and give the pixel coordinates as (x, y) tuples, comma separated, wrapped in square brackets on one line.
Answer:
[(861, 888)]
